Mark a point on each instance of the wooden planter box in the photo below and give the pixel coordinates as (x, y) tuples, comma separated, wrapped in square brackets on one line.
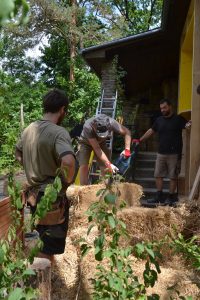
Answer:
[(6, 220)]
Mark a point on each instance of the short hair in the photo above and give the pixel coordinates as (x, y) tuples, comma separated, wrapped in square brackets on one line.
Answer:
[(165, 100), (54, 100)]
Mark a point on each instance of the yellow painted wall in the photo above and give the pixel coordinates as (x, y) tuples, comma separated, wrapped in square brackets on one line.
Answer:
[(185, 75)]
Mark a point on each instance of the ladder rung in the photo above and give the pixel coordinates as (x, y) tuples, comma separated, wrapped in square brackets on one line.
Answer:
[(109, 99), (94, 174), (107, 108)]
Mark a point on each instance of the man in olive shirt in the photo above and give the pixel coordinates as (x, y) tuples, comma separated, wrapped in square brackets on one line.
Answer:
[(96, 131), (43, 148)]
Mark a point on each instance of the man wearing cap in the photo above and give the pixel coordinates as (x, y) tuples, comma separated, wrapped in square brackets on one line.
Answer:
[(93, 137)]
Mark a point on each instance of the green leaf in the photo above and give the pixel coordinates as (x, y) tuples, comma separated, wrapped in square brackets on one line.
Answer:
[(122, 224), (99, 255), (28, 272), (110, 198), (139, 248), (85, 249), (17, 294), (90, 228), (153, 297), (111, 221), (19, 204), (99, 192), (1, 256), (57, 184), (150, 252)]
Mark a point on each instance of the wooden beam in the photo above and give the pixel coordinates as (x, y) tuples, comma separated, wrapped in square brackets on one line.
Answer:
[(195, 185), (195, 113)]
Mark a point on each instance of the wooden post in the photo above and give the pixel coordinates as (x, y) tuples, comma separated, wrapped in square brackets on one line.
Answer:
[(22, 116), (195, 185), (195, 113), (42, 280)]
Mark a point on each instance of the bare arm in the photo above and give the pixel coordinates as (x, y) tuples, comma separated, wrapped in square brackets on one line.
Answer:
[(127, 136), (68, 167), (19, 156), (98, 151), (147, 134)]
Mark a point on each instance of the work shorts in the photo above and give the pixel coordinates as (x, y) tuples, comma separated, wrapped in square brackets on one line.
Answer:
[(167, 165), (54, 236), (84, 153)]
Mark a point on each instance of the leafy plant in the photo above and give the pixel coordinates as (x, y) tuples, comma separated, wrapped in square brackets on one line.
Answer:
[(189, 249), (14, 271), (116, 279)]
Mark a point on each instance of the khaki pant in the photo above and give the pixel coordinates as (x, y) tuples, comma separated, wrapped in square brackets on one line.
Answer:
[(84, 153), (167, 165)]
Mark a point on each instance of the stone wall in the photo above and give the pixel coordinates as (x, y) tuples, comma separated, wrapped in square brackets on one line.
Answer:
[(108, 79)]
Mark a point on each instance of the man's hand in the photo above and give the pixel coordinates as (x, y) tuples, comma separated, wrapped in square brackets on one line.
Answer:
[(111, 168), (136, 141), (188, 124), (126, 153)]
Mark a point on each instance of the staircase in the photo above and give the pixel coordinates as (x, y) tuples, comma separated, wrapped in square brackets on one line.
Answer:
[(144, 174)]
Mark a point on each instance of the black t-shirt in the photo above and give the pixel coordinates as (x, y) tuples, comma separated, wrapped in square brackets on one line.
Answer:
[(169, 133)]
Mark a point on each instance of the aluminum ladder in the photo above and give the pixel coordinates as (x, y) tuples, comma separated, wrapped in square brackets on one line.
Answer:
[(107, 106)]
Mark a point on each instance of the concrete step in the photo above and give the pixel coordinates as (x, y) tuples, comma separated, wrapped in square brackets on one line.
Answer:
[(144, 172), (150, 182), (147, 163), (147, 155)]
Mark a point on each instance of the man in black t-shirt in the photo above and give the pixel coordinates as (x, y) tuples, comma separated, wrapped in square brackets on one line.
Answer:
[(169, 128)]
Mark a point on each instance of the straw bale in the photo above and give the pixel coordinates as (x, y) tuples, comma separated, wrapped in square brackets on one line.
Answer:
[(83, 196), (72, 276), (178, 276), (81, 232), (193, 219), (147, 224)]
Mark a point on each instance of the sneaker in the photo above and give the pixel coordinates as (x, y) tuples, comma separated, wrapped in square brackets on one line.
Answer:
[(172, 200)]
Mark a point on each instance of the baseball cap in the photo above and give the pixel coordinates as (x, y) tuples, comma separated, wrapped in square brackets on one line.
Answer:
[(102, 126)]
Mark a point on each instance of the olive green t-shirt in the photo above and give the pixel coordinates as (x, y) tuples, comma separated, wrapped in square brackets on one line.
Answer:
[(89, 133), (43, 144)]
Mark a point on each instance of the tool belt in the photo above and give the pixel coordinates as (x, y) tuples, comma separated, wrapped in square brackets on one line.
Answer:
[(53, 217)]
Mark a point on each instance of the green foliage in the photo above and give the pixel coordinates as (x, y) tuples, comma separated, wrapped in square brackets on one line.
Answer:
[(84, 93), (10, 8), (12, 95), (45, 204), (116, 279), (14, 271), (15, 283), (189, 249)]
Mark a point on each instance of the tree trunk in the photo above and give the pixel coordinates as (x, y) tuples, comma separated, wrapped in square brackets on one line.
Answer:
[(42, 280), (72, 41)]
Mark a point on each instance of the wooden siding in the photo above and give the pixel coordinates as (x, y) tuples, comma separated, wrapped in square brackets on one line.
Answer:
[(6, 220)]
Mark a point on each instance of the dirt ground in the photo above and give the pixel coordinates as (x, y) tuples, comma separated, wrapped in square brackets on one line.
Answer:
[(71, 276)]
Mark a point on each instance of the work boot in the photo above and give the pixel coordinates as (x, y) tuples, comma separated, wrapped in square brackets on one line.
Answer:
[(172, 200), (158, 200)]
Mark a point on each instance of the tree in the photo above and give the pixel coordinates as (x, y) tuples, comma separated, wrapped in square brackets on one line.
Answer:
[(12, 94), (9, 9)]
